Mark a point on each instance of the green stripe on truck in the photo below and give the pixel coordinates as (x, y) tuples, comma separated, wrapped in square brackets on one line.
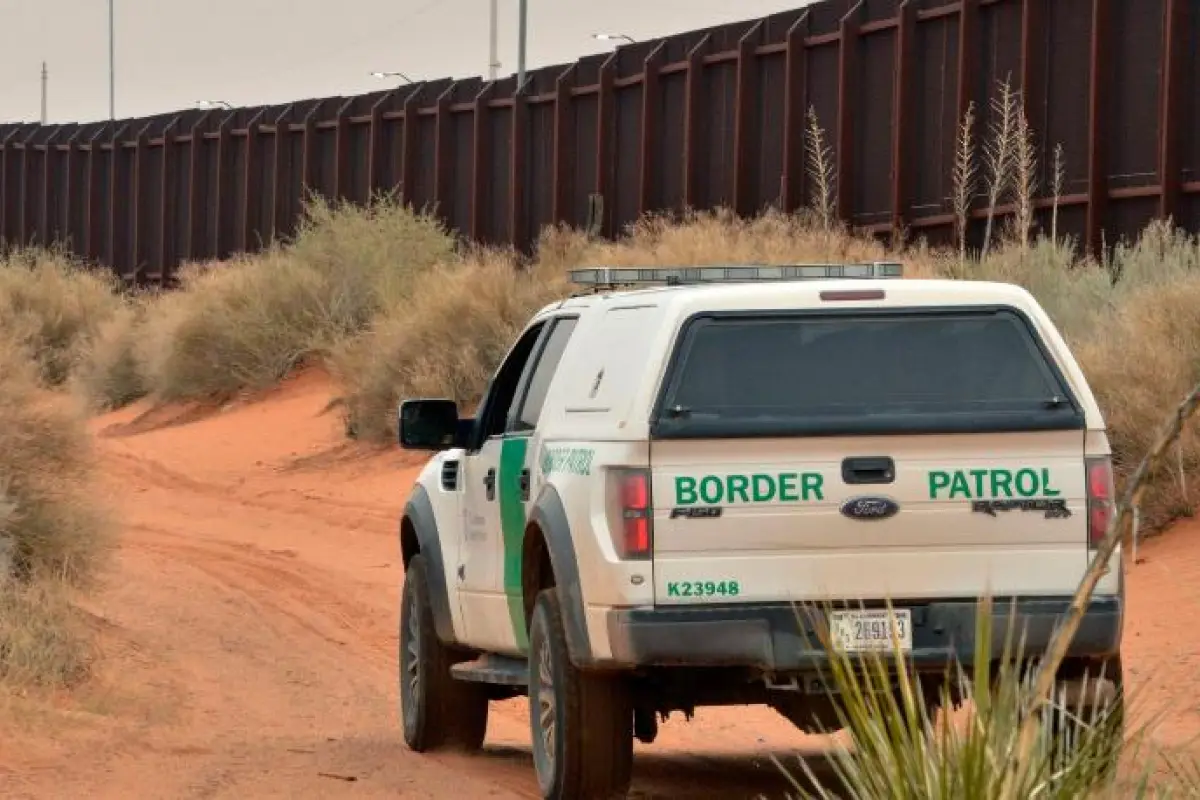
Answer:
[(512, 526)]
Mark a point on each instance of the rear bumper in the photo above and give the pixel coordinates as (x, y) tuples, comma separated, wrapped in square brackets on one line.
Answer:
[(783, 637)]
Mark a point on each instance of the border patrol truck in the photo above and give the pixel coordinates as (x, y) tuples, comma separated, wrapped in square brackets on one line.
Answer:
[(665, 465)]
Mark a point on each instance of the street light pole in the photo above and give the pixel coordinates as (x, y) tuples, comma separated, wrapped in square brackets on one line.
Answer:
[(112, 63), (494, 40), (45, 80), (523, 27), (608, 37), (382, 75)]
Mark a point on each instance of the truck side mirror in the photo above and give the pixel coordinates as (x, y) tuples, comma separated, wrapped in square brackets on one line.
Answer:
[(428, 424)]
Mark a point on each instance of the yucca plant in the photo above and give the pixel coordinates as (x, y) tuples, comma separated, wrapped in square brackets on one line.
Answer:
[(901, 748)]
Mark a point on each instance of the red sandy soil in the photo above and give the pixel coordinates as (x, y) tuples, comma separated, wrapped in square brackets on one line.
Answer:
[(248, 633)]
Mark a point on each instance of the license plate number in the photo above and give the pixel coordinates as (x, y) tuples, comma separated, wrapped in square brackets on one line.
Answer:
[(871, 630)]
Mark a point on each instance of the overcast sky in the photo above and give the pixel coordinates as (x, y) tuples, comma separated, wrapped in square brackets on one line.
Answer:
[(171, 53)]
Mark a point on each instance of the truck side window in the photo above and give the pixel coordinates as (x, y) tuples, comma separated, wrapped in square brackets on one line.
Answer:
[(503, 390), (539, 382)]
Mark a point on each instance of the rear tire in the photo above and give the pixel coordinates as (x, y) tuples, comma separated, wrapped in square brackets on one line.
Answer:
[(581, 723), (438, 712)]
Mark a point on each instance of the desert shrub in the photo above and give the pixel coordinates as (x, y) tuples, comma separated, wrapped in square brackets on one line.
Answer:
[(243, 325), (54, 533), (720, 237), (445, 341), (247, 323), (367, 255), (1073, 291), (43, 638), (52, 306), (107, 374), (1140, 360), (54, 524)]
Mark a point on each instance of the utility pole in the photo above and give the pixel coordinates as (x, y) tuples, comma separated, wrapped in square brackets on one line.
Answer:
[(112, 64), (523, 27), (45, 81), (494, 40)]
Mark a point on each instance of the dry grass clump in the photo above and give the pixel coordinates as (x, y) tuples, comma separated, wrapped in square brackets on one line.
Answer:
[(244, 325), (247, 323), (52, 306), (1140, 357), (43, 637), (108, 374), (445, 342), (54, 534), (720, 237), (53, 525), (1073, 291), (367, 256)]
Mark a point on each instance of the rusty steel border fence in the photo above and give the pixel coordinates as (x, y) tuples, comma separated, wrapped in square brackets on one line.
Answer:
[(704, 119)]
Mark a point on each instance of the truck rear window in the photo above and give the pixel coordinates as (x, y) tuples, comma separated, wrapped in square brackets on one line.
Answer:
[(880, 372)]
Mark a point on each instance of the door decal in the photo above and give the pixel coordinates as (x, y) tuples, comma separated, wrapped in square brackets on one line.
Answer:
[(512, 526)]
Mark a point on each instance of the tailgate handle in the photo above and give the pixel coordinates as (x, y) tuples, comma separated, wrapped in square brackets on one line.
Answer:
[(875, 469)]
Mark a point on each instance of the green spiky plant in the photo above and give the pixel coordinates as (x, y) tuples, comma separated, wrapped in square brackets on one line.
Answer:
[(901, 748)]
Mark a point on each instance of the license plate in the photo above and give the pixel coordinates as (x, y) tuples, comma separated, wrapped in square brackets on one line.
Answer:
[(871, 630)]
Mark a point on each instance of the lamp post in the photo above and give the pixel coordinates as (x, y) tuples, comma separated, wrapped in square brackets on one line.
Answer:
[(522, 31), (112, 62), (609, 37), (493, 40), (382, 75), (45, 81)]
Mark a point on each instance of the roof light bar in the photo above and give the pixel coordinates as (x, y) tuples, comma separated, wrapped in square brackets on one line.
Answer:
[(611, 277)]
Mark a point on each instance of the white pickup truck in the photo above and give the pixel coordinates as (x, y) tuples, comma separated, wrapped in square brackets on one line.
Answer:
[(664, 465)]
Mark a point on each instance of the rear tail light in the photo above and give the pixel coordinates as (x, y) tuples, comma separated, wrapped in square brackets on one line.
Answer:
[(630, 513), (1099, 498)]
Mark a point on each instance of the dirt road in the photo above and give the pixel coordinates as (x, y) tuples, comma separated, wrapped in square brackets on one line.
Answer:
[(248, 632)]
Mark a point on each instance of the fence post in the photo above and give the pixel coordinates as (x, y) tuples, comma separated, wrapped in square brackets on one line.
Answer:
[(795, 105), (745, 121), (1099, 71), (693, 122), (606, 123), (651, 105), (518, 190), (113, 146), (847, 88), (564, 148), (902, 93), (72, 198), (1172, 104), (481, 152)]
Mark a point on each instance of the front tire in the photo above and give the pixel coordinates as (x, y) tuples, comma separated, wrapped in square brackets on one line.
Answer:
[(438, 711), (581, 723)]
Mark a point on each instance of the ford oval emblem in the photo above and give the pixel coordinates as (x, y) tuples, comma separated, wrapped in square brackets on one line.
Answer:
[(869, 508)]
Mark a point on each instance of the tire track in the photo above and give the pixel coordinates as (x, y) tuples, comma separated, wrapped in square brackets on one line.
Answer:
[(283, 589), (147, 472)]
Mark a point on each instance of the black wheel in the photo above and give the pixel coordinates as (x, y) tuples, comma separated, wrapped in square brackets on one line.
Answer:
[(582, 723), (438, 711)]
